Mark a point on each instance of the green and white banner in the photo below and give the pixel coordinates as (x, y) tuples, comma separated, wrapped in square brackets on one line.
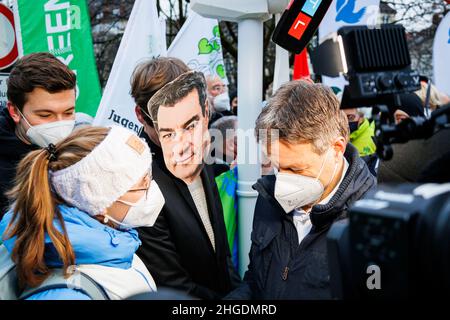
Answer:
[(144, 39), (61, 27), (198, 45)]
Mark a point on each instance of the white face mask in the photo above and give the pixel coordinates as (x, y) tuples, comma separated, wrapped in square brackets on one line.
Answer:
[(295, 191), (222, 102), (53, 132), (144, 212)]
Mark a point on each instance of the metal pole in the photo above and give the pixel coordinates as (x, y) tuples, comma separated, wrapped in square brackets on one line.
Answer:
[(250, 81)]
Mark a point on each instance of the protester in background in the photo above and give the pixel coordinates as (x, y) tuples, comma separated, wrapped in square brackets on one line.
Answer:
[(224, 137), (202, 265), (234, 101), (223, 133), (412, 160), (410, 106), (319, 176), (216, 86), (75, 205), (436, 98), (40, 110), (218, 93), (361, 132)]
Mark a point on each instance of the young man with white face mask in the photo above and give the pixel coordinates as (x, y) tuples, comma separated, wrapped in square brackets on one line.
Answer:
[(40, 110), (318, 176)]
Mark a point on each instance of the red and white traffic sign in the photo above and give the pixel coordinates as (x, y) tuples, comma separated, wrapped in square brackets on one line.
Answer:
[(8, 43)]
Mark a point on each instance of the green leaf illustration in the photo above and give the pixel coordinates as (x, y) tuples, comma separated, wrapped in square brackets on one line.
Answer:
[(216, 45), (220, 71), (216, 31), (204, 47)]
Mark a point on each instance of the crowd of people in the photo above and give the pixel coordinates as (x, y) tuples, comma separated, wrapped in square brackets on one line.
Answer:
[(101, 213)]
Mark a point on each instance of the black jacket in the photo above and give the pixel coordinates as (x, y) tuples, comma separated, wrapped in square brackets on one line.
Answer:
[(279, 267), (177, 250), (411, 160), (12, 150)]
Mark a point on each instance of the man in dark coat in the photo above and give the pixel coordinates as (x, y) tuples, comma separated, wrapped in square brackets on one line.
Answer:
[(40, 110), (319, 177), (187, 248)]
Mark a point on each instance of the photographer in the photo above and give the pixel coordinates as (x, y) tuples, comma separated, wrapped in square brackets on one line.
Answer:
[(410, 160), (319, 177)]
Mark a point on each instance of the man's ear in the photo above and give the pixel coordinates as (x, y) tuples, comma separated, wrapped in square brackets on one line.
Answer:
[(339, 145), (13, 112)]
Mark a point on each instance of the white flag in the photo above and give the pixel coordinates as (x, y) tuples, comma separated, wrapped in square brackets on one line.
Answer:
[(441, 55), (142, 40), (198, 45), (347, 13)]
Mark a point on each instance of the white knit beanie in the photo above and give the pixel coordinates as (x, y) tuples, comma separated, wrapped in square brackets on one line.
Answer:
[(104, 175)]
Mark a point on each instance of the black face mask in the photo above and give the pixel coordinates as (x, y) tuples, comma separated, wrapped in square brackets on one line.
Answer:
[(353, 125)]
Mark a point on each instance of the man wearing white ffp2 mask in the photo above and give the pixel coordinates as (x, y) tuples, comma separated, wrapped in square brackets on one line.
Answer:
[(48, 133), (294, 191), (222, 102), (319, 176), (40, 110)]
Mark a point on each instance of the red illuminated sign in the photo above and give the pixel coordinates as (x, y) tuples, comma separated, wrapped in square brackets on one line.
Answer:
[(299, 26)]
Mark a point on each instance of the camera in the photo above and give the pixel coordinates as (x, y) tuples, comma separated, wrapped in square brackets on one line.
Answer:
[(398, 236)]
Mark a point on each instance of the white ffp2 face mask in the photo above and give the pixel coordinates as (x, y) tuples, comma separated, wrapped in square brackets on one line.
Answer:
[(144, 212), (295, 191), (53, 132), (222, 102)]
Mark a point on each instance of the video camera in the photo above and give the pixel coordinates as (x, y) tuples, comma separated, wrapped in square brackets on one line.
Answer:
[(395, 245), (377, 65)]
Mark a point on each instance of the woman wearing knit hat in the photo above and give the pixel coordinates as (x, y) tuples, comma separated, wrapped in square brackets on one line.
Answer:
[(74, 209)]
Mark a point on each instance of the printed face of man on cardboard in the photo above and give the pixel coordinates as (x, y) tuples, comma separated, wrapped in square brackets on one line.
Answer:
[(183, 128)]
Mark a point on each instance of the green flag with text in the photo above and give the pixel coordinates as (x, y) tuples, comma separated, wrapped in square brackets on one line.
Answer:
[(62, 27)]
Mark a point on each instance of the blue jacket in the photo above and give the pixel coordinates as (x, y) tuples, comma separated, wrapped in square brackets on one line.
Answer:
[(92, 242)]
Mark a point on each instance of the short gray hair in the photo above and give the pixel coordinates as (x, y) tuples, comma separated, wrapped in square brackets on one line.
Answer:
[(225, 123), (303, 112)]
